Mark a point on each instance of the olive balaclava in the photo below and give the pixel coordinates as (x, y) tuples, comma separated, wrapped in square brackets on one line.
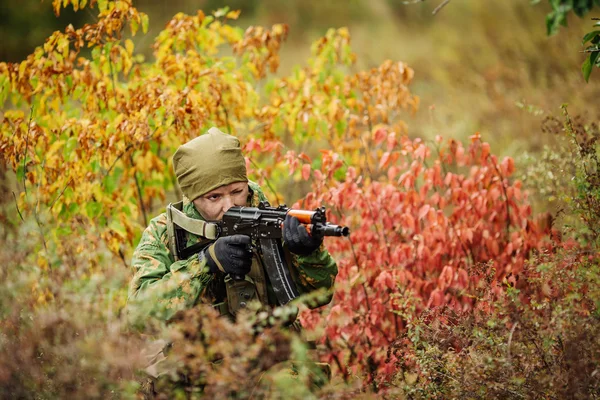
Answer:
[(208, 162)]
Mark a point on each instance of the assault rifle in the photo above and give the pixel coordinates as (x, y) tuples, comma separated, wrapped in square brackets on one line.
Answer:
[(264, 225)]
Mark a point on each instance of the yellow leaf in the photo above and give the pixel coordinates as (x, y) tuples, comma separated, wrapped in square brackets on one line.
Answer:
[(56, 7), (42, 262), (129, 46), (233, 14)]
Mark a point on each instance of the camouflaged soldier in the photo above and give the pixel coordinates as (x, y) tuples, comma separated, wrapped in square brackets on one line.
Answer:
[(211, 172)]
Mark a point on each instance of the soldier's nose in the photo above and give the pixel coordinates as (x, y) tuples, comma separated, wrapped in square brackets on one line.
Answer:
[(227, 203)]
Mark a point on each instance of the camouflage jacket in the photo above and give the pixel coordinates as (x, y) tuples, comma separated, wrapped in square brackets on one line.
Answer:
[(167, 286)]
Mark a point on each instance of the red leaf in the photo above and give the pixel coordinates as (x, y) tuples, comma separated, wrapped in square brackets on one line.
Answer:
[(424, 210), (306, 171), (379, 135), (304, 158), (385, 158)]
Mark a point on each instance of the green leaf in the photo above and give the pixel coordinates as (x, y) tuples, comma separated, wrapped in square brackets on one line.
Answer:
[(221, 12), (63, 230), (111, 182), (117, 227), (95, 166), (586, 69), (20, 172), (102, 5), (69, 146), (144, 23), (594, 58), (581, 7), (126, 210), (93, 209), (73, 208), (4, 89), (589, 36)]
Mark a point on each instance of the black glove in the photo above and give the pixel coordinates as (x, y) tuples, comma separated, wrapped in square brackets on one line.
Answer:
[(229, 254), (298, 240)]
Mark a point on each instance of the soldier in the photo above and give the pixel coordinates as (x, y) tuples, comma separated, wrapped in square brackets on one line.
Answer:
[(211, 172)]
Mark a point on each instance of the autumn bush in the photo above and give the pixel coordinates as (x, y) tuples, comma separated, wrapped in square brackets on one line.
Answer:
[(448, 286)]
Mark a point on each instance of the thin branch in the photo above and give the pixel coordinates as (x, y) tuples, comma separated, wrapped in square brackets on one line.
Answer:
[(60, 194), (139, 192), (129, 146), (41, 230), (17, 205), (505, 195), (510, 336), (226, 118), (122, 255), (26, 149), (442, 5), (343, 370), (366, 297), (112, 74)]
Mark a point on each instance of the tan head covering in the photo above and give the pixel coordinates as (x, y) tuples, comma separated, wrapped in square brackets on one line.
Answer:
[(208, 162)]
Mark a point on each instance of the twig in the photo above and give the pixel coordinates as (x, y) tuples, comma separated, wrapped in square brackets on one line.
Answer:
[(372, 373), (257, 383), (366, 297), (26, 149), (37, 195), (442, 5), (112, 74), (337, 360), (505, 196), (127, 148), (41, 230), (226, 118), (17, 205), (512, 330), (139, 192), (130, 146), (122, 255), (60, 194)]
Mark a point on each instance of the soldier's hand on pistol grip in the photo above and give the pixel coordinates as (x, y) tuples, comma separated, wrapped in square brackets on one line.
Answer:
[(229, 254), (298, 240)]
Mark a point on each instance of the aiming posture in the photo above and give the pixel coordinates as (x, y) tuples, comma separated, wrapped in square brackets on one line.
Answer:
[(178, 258)]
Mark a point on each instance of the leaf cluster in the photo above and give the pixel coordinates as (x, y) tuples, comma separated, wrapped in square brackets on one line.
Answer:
[(558, 17)]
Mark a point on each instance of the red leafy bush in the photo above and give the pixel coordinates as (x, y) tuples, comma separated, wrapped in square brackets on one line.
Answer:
[(416, 238)]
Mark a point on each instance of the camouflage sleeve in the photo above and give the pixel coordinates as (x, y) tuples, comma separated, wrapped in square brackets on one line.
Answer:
[(316, 271), (162, 286)]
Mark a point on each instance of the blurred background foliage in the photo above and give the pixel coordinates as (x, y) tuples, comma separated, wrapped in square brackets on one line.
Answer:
[(480, 65), (484, 66)]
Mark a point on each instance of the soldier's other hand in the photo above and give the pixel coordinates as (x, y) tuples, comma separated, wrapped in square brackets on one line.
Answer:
[(298, 240), (230, 255)]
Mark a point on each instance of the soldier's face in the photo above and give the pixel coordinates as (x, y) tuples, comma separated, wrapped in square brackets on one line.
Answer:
[(213, 204)]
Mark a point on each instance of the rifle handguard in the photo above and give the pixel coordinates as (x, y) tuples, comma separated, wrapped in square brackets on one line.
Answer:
[(265, 221)]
